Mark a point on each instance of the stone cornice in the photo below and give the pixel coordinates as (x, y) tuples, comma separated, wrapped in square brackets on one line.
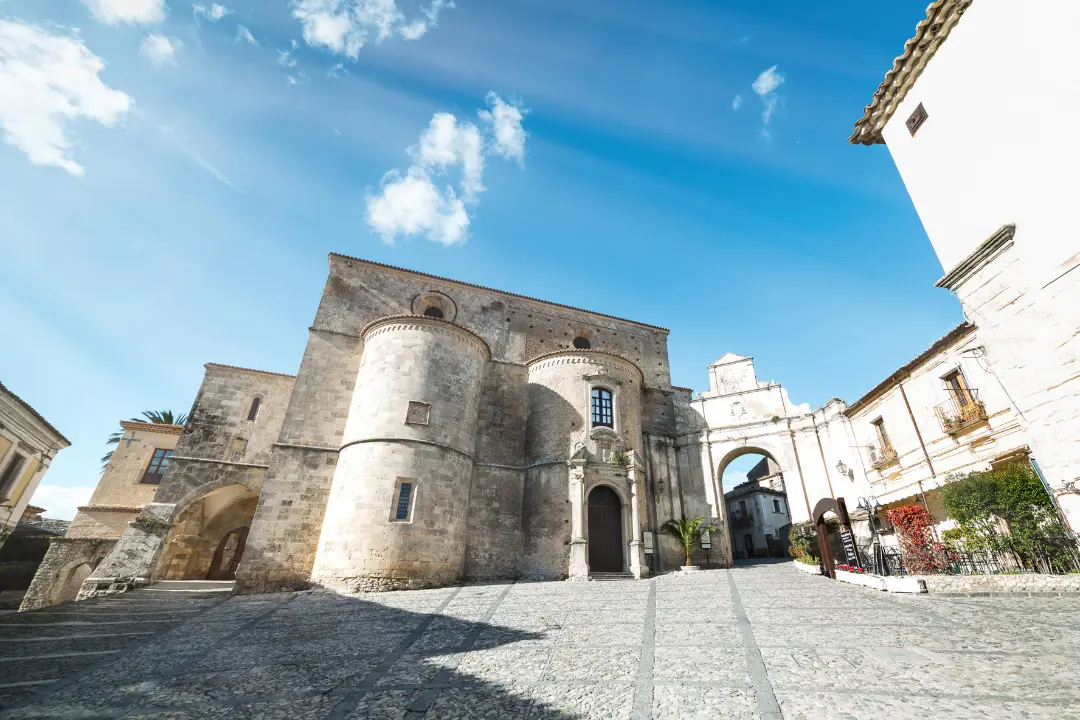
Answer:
[(109, 508), (219, 366), (930, 33), (592, 357), (423, 322), (159, 428), (982, 256)]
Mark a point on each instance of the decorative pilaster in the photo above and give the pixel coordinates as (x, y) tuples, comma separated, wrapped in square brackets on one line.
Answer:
[(579, 557), (635, 476)]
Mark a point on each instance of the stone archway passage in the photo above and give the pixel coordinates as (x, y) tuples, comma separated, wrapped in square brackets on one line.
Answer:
[(228, 554), (605, 531)]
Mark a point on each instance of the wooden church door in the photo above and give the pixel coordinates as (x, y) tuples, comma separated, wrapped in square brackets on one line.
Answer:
[(605, 531)]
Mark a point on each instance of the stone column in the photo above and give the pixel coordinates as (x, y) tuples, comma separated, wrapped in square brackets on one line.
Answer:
[(635, 475), (579, 559)]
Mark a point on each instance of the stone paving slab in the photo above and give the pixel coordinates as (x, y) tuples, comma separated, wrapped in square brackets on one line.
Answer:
[(761, 641)]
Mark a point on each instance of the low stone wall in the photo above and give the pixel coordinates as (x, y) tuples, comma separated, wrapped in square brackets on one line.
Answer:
[(808, 569), (63, 559), (1026, 583)]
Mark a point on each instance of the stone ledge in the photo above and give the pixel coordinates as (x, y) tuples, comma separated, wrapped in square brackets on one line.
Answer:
[(808, 569), (986, 584)]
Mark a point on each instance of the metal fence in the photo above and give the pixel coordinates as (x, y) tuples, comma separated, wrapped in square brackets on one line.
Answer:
[(1056, 558)]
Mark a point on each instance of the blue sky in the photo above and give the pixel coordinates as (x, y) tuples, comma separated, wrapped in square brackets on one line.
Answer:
[(217, 173)]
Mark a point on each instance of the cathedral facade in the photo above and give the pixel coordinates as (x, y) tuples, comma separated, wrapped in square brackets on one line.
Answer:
[(435, 431)]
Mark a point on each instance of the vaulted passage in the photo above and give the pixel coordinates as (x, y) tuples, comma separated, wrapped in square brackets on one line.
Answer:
[(605, 531)]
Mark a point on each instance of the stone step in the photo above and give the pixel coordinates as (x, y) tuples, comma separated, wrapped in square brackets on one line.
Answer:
[(191, 586), (610, 576), (33, 646)]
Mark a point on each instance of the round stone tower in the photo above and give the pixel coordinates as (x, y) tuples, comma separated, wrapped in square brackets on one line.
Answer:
[(568, 451), (396, 513)]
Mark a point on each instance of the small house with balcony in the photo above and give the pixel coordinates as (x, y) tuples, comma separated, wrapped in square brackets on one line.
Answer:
[(941, 414)]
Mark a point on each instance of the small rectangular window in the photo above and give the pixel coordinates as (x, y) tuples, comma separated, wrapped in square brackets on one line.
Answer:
[(776, 506), (602, 408), (159, 463), (916, 119), (11, 475), (882, 436), (404, 495)]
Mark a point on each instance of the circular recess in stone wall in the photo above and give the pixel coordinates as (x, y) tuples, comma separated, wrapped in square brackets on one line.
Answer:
[(434, 304), (582, 343)]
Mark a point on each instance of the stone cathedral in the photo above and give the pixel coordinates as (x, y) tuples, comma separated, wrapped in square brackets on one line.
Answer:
[(436, 431)]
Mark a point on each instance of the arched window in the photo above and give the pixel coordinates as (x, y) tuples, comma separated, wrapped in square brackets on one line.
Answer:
[(602, 414), (434, 312), (254, 411), (582, 343)]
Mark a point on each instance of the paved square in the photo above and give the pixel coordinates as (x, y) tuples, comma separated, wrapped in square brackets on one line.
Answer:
[(761, 641)]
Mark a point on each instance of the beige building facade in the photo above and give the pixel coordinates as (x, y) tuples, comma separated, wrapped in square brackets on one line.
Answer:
[(127, 483), (28, 444)]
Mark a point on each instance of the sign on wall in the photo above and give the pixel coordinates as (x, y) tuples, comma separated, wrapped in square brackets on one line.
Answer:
[(648, 543), (706, 540)]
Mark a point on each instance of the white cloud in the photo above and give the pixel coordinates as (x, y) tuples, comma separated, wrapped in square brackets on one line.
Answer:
[(505, 123), (765, 87), (45, 81), (160, 50), (114, 12), (411, 203), (213, 13), (736, 102), (346, 26), (242, 33), (60, 503)]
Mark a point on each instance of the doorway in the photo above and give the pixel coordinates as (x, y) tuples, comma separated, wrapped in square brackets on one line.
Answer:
[(605, 531), (227, 556), (748, 544)]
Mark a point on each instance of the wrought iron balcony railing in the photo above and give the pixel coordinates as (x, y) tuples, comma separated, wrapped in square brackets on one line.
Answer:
[(881, 455), (741, 520), (151, 478), (961, 411)]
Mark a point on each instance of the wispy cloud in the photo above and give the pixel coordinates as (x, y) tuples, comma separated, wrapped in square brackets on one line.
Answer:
[(208, 167), (346, 26), (736, 102), (244, 35), (46, 81), (182, 144), (410, 203), (137, 12), (160, 50), (765, 87), (213, 12)]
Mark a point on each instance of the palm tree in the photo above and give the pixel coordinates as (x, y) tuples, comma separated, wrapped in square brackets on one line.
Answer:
[(157, 417), (686, 532)]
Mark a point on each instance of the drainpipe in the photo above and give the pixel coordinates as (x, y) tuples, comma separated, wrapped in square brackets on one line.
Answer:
[(802, 481), (824, 464), (922, 445)]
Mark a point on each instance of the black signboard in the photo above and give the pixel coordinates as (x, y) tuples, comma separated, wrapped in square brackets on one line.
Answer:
[(849, 546)]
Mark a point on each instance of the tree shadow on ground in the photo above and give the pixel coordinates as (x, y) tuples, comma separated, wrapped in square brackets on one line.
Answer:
[(319, 655)]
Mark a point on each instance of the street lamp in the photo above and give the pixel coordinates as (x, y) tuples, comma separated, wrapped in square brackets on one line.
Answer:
[(871, 505), (844, 470)]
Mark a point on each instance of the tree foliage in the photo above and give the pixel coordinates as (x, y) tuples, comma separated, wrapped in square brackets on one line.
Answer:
[(1006, 510), (802, 538), (686, 532), (914, 525)]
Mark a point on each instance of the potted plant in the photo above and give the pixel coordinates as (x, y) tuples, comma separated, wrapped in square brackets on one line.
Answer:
[(687, 533)]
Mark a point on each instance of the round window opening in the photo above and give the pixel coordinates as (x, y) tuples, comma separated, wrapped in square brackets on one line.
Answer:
[(434, 312), (582, 343)]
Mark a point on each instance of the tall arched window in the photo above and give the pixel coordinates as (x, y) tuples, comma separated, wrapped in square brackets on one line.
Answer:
[(254, 411), (602, 414)]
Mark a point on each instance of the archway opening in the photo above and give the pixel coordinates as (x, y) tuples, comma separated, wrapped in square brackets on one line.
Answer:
[(207, 539), (605, 531), (756, 502), (74, 581)]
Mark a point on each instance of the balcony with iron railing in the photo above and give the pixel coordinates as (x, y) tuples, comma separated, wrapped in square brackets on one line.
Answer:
[(882, 455), (151, 478), (961, 411), (741, 520)]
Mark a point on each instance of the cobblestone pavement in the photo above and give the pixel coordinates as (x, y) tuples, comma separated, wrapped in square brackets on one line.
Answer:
[(761, 641)]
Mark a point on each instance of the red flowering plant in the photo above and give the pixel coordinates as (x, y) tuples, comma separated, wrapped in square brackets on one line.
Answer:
[(922, 554), (850, 568)]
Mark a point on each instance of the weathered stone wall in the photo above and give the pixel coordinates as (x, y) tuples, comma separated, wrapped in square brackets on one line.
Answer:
[(545, 522), (218, 427), (104, 522), (285, 531), (58, 575), (1033, 583), (196, 537), (413, 419)]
